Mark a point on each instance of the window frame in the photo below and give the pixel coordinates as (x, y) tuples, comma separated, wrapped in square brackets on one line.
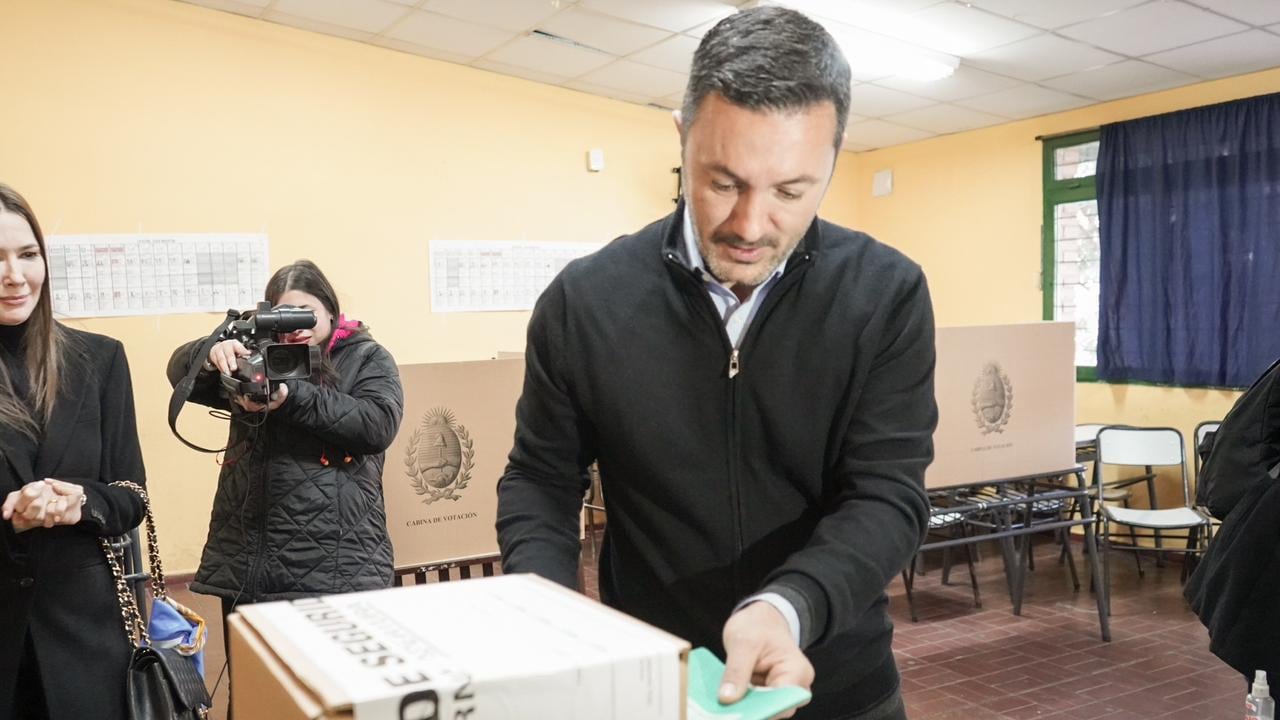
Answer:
[(1056, 192)]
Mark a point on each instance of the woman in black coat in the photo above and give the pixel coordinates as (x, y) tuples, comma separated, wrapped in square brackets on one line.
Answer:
[(67, 430), (299, 508)]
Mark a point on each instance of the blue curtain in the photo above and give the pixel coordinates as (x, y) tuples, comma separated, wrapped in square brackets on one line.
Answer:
[(1189, 213)]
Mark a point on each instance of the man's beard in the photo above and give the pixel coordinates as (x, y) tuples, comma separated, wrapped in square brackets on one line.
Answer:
[(721, 269)]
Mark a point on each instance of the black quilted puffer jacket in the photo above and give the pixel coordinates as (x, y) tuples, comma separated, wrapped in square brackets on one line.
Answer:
[(299, 508)]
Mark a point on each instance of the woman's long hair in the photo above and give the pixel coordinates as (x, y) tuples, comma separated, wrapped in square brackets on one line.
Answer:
[(44, 343), (303, 275)]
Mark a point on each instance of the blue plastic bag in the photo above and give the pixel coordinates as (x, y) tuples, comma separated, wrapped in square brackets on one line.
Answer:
[(174, 625)]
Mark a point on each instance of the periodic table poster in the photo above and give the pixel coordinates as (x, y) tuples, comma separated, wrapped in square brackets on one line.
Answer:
[(115, 275), (479, 276)]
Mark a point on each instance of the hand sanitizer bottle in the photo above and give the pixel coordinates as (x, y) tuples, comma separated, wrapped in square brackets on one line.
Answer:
[(1258, 704)]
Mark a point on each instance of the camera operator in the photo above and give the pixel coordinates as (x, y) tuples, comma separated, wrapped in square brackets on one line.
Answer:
[(299, 507)]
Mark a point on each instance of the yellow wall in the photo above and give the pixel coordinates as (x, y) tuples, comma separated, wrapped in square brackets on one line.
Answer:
[(968, 207), (158, 116)]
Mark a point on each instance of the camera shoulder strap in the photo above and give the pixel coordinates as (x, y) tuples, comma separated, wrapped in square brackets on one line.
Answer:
[(183, 389)]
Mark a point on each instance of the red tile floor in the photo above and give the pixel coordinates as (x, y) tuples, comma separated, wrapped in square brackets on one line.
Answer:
[(959, 662)]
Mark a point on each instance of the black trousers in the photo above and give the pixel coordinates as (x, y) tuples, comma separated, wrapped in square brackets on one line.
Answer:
[(228, 606), (891, 708)]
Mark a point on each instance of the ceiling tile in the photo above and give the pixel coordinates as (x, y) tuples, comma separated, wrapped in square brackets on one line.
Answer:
[(1254, 12), (549, 56), (962, 30), (966, 82), (520, 72), (447, 34), (632, 77), (251, 8), (428, 52), (602, 32), (675, 53), (1054, 13), (1232, 55), (609, 92), (1024, 101), (850, 11), (673, 15), (875, 101), (1156, 26), (1042, 56), (1123, 79), (702, 29), (514, 15), (316, 26), (863, 68), (878, 133), (372, 16), (944, 119)]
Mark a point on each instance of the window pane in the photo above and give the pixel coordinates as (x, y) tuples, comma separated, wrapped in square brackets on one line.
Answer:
[(1076, 161), (1076, 274)]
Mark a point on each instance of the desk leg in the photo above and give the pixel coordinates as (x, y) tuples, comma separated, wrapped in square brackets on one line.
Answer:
[(1090, 544), (1022, 549), (1006, 549), (1015, 558)]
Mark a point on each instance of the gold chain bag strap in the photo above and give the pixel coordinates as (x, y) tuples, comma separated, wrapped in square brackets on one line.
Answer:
[(162, 683)]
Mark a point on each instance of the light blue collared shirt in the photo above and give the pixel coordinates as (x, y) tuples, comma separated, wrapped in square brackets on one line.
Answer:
[(736, 314)]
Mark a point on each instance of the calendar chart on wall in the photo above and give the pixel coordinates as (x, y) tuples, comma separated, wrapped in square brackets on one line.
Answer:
[(155, 274), (492, 276)]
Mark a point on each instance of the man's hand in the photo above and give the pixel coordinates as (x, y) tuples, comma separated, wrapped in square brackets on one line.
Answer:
[(761, 651)]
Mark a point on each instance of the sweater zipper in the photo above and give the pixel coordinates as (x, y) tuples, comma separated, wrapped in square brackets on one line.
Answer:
[(735, 498), (734, 368)]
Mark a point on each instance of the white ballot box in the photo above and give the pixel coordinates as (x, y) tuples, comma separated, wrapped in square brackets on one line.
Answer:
[(512, 647)]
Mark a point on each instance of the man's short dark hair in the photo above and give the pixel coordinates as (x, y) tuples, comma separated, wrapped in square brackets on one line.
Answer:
[(769, 58)]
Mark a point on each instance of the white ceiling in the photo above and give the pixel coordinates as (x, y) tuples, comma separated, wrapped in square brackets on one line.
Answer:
[(1018, 58)]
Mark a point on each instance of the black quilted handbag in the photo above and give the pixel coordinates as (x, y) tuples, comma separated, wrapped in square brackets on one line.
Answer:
[(161, 684), (164, 684)]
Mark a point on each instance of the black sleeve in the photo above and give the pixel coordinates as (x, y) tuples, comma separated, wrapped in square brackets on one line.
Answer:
[(540, 494), (363, 421), (880, 511), (207, 389), (108, 510)]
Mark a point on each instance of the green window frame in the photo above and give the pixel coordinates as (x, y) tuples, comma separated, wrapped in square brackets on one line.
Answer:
[(1070, 183)]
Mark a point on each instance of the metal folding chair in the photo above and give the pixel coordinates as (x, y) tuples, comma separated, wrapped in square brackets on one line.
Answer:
[(1148, 448)]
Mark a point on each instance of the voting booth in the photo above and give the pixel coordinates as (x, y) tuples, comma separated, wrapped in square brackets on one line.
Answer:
[(442, 470), (1006, 402)]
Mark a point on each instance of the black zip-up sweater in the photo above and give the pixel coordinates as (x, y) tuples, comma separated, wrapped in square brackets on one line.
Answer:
[(801, 472)]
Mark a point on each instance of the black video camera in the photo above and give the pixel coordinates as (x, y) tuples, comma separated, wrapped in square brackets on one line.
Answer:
[(269, 360)]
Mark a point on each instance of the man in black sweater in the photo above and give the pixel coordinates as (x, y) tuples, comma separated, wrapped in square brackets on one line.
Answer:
[(756, 385)]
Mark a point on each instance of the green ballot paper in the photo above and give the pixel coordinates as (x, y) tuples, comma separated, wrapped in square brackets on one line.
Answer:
[(705, 673)]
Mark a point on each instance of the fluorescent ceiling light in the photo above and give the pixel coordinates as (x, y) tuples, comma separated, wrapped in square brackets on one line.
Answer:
[(871, 53)]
